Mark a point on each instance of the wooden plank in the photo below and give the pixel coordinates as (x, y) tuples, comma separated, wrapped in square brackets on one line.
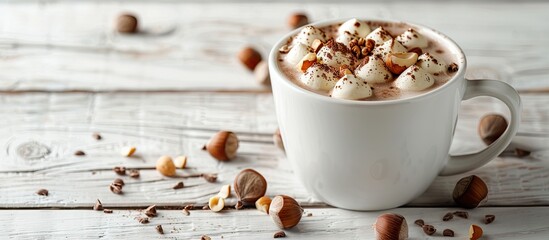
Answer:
[(192, 46), (325, 223), (39, 132)]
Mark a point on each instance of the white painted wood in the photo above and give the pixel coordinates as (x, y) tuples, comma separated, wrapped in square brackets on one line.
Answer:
[(192, 46), (58, 124), (325, 223)]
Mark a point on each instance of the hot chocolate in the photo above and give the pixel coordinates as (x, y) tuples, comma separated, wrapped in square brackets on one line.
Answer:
[(366, 60)]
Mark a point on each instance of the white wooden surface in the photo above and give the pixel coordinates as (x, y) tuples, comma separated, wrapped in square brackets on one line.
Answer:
[(192, 46), (325, 223), (65, 74)]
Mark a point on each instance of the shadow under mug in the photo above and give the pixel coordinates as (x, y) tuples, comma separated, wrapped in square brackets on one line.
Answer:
[(374, 155)]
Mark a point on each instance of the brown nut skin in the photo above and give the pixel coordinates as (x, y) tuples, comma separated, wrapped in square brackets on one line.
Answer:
[(249, 186), (126, 23), (223, 145), (298, 20), (249, 57), (491, 127), (475, 232), (470, 191), (391, 226), (285, 211)]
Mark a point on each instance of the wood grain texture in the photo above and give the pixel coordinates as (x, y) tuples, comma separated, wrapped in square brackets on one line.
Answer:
[(511, 223), (40, 133), (192, 46)]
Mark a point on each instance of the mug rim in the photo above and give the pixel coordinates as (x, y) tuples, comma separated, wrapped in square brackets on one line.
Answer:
[(273, 65)]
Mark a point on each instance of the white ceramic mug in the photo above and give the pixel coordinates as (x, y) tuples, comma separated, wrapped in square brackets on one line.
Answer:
[(373, 155)]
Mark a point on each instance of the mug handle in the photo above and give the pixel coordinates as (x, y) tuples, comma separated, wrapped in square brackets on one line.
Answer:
[(507, 94)]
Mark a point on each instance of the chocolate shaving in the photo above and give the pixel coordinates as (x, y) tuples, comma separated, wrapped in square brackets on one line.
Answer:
[(79, 153), (178, 185), (210, 177), (448, 217), (134, 173), (143, 220), (97, 136), (120, 170), (279, 234), (106, 210), (429, 229), (119, 182), (419, 222), (489, 218), (150, 211), (115, 188), (448, 233), (159, 229), (42, 192), (98, 206)]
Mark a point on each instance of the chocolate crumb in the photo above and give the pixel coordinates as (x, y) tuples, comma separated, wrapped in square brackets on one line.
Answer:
[(159, 229), (115, 188), (462, 214), (439, 51), (210, 177), (279, 234), (134, 173), (448, 217), (97, 136), (42, 192), (429, 229), (521, 152), (143, 220), (489, 218), (448, 233), (178, 185), (453, 67), (119, 170), (98, 206), (205, 237), (79, 153), (205, 207), (150, 211), (204, 148), (106, 210), (119, 182), (309, 214), (419, 222)]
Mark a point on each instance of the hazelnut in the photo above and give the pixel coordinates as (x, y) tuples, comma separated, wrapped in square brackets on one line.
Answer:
[(180, 162), (491, 127), (261, 73), (298, 20), (398, 62), (306, 62), (470, 191), (216, 203), (277, 139), (165, 166), (128, 151), (225, 191), (475, 232), (249, 186), (249, 57), (391, 226), (285, 211), (317, 45), (126, 23), (223, 145), (263, 203)]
